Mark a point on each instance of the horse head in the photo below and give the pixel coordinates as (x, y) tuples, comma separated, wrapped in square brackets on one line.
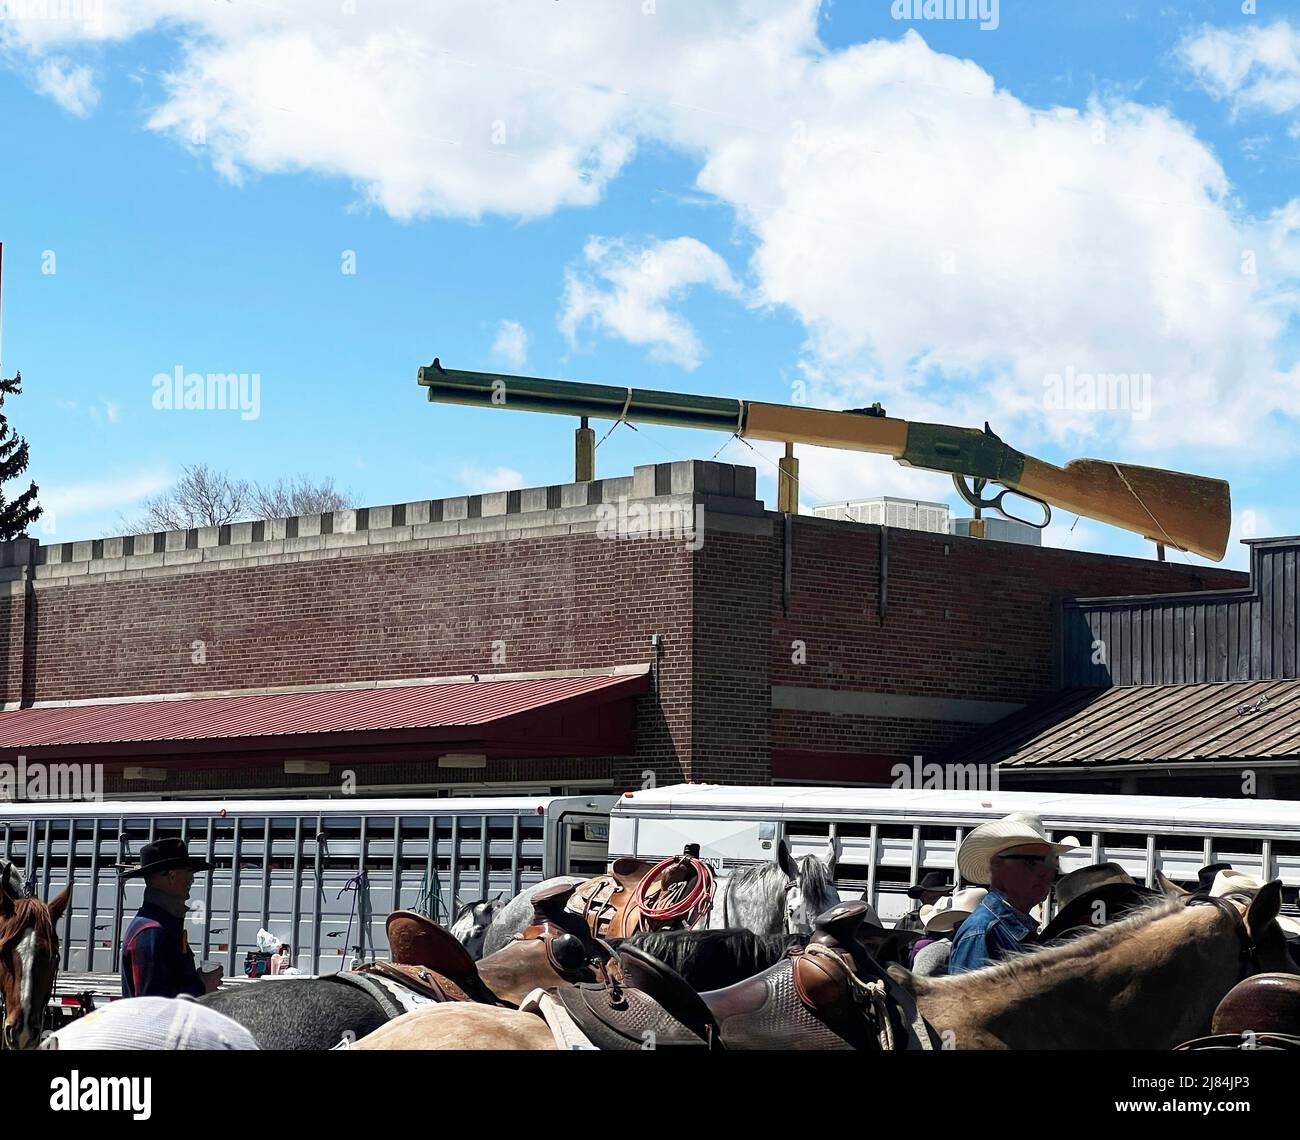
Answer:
[(29, 961), (472, 922), (1264, 936), (811, 888)]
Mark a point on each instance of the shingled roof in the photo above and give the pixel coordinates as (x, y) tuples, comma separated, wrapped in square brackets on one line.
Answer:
[(1246, 720)]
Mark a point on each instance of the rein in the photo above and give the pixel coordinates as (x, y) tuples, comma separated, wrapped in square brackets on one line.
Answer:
[(1248, 953)]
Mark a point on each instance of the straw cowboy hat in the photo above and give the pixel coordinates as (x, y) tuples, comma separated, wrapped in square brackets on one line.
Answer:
[(1019, 829), (164, 855), (952, 910), (930, 881), (1079, 892), (1230, 882), (152, 1023)]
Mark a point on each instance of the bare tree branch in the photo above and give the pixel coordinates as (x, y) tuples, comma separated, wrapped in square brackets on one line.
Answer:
[(201, 497), (204, 497), (296, 496)]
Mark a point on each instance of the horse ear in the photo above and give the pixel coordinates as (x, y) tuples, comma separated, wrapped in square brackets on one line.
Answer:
[(6, 901), (59, 903), (785, 860), (832, 856), (1170, 889), (1264, 907)]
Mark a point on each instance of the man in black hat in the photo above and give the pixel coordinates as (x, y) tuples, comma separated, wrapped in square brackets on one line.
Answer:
[(156, 960), (932, 887)]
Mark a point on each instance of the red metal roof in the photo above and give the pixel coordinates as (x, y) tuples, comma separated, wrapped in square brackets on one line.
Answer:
[(446, 705)]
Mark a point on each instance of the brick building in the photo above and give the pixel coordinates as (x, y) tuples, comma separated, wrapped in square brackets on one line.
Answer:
[(575, 636)]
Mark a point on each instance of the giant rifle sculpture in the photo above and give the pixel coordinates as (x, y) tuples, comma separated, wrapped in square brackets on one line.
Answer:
[(1189, 512)]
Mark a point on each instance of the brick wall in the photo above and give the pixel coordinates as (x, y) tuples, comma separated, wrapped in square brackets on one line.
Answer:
[(965, 619), (425, 589)]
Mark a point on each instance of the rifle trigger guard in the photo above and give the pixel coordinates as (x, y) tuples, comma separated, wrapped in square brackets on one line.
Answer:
[(972, 493)]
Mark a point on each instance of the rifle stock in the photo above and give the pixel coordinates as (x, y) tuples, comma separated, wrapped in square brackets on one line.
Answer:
[(1191, 512)]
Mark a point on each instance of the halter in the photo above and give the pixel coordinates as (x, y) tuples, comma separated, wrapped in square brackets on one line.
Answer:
[(1248, 955)]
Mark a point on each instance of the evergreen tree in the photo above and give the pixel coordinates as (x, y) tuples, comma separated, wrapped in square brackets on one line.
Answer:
[(16, 516)]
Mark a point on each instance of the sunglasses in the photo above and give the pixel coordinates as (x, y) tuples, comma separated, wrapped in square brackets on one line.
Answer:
[(1030, 860)]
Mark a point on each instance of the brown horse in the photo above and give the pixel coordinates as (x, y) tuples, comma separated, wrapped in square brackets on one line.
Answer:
[(1150, 981), (29, 962)]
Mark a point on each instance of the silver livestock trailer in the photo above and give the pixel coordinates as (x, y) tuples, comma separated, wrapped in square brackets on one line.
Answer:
[(321, 875)]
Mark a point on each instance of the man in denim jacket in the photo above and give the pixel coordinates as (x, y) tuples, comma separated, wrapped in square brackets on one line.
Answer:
[(1018, 862)]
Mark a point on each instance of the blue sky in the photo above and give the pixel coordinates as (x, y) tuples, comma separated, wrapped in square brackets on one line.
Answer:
[(740, 198)]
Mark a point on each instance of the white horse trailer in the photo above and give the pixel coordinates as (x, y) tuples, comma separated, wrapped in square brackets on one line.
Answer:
[(889, 837), (322, 875)]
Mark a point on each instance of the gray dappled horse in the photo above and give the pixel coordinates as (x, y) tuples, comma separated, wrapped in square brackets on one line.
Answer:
[(472, 920), (784, 897)]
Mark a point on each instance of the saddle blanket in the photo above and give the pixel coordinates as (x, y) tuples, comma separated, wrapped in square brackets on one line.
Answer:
[(563, 1028), (406, 997)]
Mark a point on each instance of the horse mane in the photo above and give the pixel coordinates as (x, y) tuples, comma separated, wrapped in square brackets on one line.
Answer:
[(27, 913), (757, 874), (814, 878), (1035, 962), (712, 959)]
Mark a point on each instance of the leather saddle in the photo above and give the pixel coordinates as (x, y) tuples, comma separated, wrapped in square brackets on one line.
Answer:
[(1262, 1003), (606, 904), (828, 995), (416, 940), (427, 959), (554, 950), (1261, 1012)]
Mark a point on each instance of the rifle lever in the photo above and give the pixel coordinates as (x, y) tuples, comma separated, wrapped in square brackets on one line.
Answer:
[(972, 493)]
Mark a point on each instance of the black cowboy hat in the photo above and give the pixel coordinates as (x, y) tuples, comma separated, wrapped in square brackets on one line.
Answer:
[(163, 855), (930, 881), (1205, 876), (1079, 891)]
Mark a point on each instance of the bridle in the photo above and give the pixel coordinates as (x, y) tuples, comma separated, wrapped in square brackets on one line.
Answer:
[(1248, 953)]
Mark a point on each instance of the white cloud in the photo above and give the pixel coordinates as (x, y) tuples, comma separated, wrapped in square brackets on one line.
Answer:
[(112, 412), (479, 480), (624, 290), (71, 86), (511, 344), (1258, 68), (946, 245), (71, 499)]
